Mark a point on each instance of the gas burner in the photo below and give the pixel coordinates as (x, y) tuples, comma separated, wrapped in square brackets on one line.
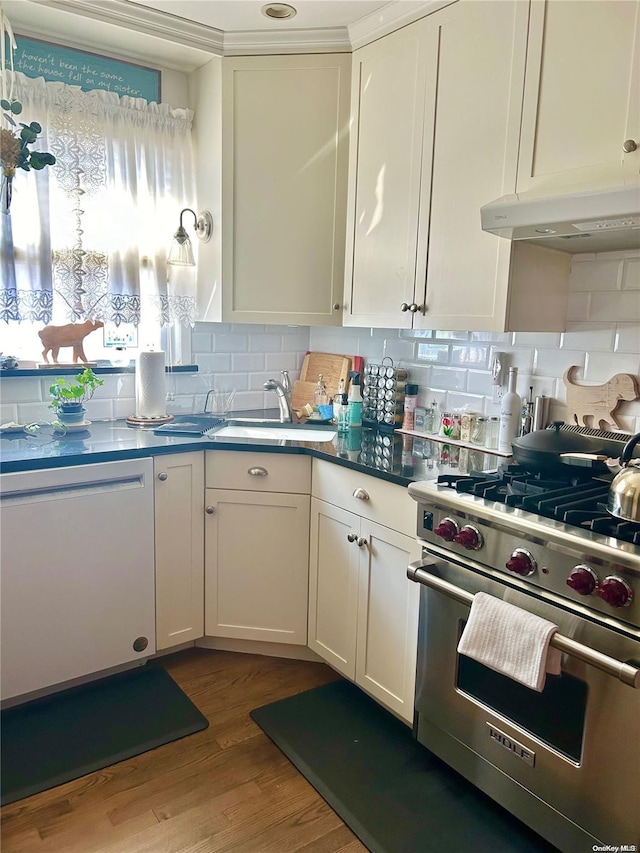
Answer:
[(573, 500)]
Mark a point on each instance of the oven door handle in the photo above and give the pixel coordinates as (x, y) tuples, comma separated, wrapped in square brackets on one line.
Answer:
[(625, 672)]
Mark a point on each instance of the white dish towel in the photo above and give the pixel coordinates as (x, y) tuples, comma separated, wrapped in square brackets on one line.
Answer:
[(510, 640)]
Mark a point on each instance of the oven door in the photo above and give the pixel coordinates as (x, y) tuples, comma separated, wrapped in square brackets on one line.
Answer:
[(564, 761)]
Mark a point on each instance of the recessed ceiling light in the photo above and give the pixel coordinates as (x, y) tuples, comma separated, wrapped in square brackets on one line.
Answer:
[(278, 10)]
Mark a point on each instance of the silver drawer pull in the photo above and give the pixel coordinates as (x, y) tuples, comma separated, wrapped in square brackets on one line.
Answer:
[(209, 510), (258, 472), (351, 537), (625, 672), (362, 542), (162, 476), (361, 495)]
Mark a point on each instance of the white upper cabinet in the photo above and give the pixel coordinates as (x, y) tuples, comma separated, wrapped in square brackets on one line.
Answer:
[(387, 103), (582, 95), (284, 183), (437, 111)]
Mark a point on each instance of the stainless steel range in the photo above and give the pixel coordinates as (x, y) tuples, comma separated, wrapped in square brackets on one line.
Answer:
[(566, 761)]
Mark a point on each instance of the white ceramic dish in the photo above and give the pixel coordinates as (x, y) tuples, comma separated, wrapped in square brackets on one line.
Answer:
[(72, 427), (13, 428)]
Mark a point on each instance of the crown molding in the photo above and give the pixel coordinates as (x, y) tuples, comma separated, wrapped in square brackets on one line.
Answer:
[(144, 20), (207, 41), (391, 17), (259, 42)]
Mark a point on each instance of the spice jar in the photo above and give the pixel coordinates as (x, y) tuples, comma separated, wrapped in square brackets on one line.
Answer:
[(410, 403), (479, 433), (450, 425), (493, 428)]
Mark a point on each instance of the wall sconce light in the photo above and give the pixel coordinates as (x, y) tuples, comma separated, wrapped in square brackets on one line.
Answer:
[(181, 252)]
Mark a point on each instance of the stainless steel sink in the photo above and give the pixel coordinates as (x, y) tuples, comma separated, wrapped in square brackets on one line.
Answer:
[(273, 431)]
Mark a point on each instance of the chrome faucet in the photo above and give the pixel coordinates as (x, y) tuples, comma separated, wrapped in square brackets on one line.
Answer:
[(283, 390)]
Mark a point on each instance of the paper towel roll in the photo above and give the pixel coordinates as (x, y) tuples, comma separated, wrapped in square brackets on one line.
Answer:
[(151, 392)]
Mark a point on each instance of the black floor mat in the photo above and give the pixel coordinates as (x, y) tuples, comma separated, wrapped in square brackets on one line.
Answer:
[(394, 794), (61, 737)]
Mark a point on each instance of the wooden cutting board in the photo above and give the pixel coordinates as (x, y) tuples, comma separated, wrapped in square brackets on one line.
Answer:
[(301, 393), (594, 405), (333, 368)]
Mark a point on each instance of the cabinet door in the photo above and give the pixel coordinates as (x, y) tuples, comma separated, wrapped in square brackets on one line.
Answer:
[(387, 618), (333, 585), (582, 95), (285, 158), (257, 566), (389, 83), (473, 133), (179, 540)]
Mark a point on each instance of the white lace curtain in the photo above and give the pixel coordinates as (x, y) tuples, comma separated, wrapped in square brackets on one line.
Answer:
[(87, 238)]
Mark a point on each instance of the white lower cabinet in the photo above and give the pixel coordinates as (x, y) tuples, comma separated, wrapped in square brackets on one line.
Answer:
[(257, 555), (179, 544), (363, 610)]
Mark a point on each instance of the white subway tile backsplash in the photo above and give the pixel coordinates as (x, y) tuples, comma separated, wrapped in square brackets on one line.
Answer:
[(470, 356), (578, 306), (244, 362), (479, 382), (585, 336), (627, 338), (213, 362), (25, 390), (602, 366), (399, 350), (282, 361), (555, 362), (448, 379), (631, 274), (539, 340), (265, 343), (451, 336), (625, 308), (434, 353), (599, 275), (230, 343)]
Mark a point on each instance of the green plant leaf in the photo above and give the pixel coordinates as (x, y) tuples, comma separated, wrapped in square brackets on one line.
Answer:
[(16, 108), (35, 127), (10, 120), (5, 104)]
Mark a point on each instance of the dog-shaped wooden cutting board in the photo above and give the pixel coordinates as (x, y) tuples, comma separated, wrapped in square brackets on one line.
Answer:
[(597, 403)]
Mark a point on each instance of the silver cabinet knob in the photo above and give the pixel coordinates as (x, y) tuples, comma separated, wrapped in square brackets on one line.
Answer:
[(362, 542), (351, 537), (209, 510), (414, 307), (629, 145), (162, 476), (336, 306), (361, 495), (258, 472), (404, 306)]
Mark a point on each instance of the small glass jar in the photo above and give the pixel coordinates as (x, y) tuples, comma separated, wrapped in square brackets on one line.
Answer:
[(450, 425), (493, 428), (479, 433)]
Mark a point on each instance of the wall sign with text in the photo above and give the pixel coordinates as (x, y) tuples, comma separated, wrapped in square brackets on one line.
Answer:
[(36, 58)]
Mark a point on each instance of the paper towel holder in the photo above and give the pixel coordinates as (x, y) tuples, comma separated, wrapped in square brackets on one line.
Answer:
[(181, 251)]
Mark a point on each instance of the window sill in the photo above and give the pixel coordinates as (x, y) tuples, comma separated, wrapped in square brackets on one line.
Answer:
[(65, 370)]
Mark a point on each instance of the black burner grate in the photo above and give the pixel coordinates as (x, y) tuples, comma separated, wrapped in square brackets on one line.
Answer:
[(574, 501)]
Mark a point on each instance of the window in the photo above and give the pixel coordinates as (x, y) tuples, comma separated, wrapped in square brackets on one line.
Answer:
[(87, 237)]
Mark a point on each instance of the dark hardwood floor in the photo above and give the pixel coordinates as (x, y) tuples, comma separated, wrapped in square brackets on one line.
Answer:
[(224, 789)]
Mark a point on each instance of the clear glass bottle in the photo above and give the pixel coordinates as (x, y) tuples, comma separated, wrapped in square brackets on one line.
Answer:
[(320, 394)]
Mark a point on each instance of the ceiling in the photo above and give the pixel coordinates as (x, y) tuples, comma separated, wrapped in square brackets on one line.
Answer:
[(233, 16), (187, 33)]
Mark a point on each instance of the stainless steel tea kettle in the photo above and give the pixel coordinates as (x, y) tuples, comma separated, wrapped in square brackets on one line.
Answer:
[(624, 494)]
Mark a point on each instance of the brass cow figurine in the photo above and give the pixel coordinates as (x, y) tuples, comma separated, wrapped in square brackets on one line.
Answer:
[(71, 335)]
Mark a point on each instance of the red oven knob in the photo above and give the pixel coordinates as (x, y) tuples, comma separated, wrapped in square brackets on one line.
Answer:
[(469, 537), (615, 592), (447, 529), (522, 563), (583, 580)]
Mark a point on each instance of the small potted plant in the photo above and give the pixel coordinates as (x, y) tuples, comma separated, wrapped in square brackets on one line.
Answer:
[(68, 396)]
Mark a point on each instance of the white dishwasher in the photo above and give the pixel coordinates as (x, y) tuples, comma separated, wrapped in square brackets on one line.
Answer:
[(76, 572)]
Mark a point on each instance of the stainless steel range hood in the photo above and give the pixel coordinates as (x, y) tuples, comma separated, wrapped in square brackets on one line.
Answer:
[(587, 221)]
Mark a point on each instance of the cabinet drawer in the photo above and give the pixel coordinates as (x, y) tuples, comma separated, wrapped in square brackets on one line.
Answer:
[(386, 503), (258, 472)]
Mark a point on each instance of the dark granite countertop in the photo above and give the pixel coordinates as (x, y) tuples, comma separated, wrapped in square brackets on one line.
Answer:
[(389, 456)]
